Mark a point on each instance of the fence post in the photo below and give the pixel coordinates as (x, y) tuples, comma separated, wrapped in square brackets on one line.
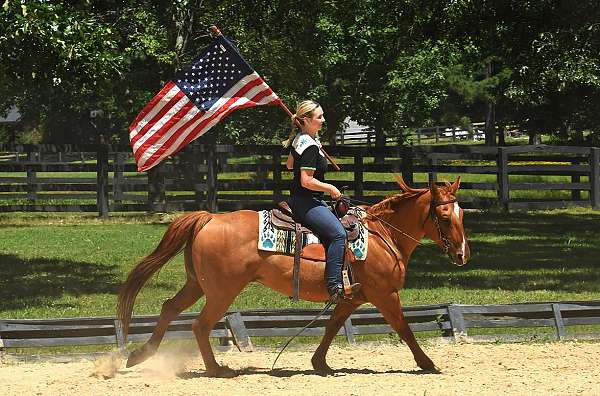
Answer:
[(156, 188), (502, 177), (349, 330), (457, 321), (595, 177), (118, 177), (31, 175), (433, 162), (437, 134), (197, 180), (560, 325), (575, 194), (211, 177), (277, 177), (358, 177), (119, 336), (407, 164), (102, 180), (235, 322)]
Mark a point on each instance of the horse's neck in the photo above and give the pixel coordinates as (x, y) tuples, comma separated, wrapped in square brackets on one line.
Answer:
[(409, 216)]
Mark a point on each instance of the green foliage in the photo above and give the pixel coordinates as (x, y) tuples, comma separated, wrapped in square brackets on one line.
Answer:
[(389, 64)]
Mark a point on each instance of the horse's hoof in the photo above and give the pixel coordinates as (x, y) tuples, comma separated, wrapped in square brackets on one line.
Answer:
[(321, 367), (138, 356), (429, 367), (433, 370), (222, 372)]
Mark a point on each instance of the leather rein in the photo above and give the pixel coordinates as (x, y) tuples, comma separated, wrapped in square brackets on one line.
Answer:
[(432, 214)]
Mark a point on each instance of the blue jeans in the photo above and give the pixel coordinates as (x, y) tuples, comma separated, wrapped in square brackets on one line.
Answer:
[(314, 214)]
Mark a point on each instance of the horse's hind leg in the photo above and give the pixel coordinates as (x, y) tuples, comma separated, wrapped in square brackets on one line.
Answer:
[(185, 298), (390, 308), (341, 312), (215, 308)]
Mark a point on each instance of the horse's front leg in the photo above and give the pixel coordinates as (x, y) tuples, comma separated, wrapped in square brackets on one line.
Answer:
[(341, 312), (390, 308)]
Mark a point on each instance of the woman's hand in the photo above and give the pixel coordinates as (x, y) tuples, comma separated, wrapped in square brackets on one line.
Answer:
[(335, 193)]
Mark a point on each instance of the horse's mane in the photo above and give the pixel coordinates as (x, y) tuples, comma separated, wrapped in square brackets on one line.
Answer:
[(389, 203)]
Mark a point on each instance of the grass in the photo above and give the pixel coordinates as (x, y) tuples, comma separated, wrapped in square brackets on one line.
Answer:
[(72, 265)]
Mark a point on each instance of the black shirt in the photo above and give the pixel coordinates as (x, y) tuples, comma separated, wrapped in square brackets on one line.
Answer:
[(310, 159)]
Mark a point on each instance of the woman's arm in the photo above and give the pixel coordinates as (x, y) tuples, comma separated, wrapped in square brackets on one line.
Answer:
[(308, 181), (290, 162)]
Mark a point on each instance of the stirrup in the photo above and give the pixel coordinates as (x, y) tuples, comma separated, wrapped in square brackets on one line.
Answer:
[(337, 296), (350, 290)]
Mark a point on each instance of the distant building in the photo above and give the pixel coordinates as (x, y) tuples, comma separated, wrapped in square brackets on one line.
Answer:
[(12, 117), (355, 134)]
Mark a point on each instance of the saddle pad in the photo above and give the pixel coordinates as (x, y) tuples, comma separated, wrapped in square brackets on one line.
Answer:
[(273, 239)]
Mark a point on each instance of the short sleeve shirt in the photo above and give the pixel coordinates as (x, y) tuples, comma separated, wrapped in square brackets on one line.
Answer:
[(307, 155)]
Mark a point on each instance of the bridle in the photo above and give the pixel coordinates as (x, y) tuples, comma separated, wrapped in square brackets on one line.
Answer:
[(432, 214), (436, 221)]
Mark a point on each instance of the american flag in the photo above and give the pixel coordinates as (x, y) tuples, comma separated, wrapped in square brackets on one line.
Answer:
[(200, 96)]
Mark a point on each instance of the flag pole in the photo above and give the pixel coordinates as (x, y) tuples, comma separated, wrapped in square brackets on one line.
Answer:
[(216, 33)]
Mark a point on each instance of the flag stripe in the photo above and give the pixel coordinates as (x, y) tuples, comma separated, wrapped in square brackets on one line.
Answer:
[(201, 95), (172, 145), (166, 106), (182, 114), (192, 117), (152, 108), (241, 103), (165, 142), (214, 115)]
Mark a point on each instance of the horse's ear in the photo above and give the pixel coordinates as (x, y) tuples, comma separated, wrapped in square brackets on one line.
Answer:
[(400, 180), (455, 186)]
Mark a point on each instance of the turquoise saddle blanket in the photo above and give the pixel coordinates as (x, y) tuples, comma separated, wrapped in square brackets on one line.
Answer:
[(273, 239)]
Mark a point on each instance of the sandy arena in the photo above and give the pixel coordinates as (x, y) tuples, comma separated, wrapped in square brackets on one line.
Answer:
[(467, 369)]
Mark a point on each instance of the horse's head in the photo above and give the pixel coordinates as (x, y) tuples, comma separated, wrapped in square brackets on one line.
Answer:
[(447, 219)]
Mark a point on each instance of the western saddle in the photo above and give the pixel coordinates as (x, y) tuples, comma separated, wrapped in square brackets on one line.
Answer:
[(283, 218)]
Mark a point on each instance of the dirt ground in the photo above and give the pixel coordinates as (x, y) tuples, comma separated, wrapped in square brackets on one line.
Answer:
[(467, 369)]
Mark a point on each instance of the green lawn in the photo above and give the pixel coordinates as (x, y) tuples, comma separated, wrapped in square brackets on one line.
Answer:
[(63, 265)]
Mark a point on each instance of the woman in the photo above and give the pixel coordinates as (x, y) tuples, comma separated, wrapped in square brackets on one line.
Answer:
[(306, 193)]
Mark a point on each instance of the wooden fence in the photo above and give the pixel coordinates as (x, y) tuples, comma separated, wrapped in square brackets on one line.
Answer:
[(451, 321), (224, 177), (448, 133)]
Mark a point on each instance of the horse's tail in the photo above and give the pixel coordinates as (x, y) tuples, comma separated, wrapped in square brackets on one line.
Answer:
[(173, 241)]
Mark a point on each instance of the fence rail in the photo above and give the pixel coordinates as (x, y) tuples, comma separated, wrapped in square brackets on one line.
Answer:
[(453, 321), (449, 133), (224, 177)]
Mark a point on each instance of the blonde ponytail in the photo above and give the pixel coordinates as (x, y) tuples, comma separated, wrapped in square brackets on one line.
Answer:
[(303, 110)]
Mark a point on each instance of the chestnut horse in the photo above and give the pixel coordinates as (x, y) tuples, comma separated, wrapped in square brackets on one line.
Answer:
[(222, 257)]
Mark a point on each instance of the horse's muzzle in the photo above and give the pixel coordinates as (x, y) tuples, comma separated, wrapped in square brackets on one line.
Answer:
[(459, 260)]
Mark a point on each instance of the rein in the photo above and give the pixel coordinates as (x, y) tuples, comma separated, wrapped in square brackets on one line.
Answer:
[(380, 219), (432, 213), (327, 306)]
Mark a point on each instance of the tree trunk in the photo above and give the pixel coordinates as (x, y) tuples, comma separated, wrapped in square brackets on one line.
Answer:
[(501, 135), (334, 124), (534, 138), (490, 115)]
